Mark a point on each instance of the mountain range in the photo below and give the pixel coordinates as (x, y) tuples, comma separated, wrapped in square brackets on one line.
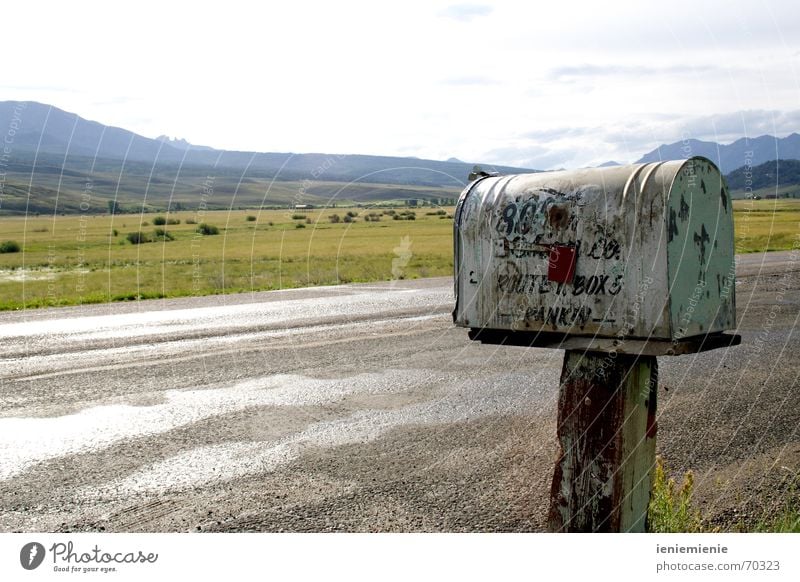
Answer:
[(54, 161), (728, 157), (57, 134)]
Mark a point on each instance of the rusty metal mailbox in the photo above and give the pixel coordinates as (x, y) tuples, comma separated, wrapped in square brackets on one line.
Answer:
[(640, 252)]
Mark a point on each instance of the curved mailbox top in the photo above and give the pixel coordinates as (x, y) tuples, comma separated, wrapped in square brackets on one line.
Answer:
[(641, 251)]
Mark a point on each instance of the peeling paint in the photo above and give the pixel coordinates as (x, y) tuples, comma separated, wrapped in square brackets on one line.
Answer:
[(644, 236)]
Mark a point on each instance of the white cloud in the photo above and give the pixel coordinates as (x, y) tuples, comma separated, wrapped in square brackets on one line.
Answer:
[(555, 84), (466, 12)]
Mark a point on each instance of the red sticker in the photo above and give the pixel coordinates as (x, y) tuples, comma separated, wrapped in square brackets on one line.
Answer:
[(561, 265)]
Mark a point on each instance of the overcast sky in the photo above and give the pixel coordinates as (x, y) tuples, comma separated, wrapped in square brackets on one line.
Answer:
[(540, 85)]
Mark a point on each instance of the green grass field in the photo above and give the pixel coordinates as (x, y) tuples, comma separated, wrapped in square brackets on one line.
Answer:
[(68, 260), (766, 225)]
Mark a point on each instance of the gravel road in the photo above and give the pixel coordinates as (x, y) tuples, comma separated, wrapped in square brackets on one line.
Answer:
[(356, 408)]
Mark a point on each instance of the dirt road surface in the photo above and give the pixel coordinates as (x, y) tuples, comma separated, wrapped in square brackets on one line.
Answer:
[(355, 408)]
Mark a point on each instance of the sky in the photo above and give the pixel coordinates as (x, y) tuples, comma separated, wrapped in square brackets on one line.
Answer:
[(529, 84)]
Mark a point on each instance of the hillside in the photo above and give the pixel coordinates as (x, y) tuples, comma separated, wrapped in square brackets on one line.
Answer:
[(779, 177), (67, 137)]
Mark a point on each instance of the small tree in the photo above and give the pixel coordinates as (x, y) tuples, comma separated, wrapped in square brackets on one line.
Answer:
[(159, 221)]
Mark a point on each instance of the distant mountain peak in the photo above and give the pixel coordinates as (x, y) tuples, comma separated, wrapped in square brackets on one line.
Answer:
[(179, 143), (750, 151), (454, 161)]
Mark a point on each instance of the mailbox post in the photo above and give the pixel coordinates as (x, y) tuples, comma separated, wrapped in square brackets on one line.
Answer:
[(616, 266)]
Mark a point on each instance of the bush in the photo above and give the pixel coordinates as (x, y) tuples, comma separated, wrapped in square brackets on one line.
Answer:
[(335, 218), (670, 508), (137, 238), (390, 212), (352, 214), (299, 225), (188, 221), (162, 234), (9, 246), (159, 221), (145, 223), (172, 221), (207, 229), (348, 218), (298, 216), (250, 218), (114, 232)]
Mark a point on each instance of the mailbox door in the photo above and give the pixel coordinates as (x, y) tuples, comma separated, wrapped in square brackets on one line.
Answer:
[(700, 251)]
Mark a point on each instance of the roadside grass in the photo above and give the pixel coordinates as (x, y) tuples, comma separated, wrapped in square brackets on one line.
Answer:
[(69, 260), (671, 509), (787, 521)]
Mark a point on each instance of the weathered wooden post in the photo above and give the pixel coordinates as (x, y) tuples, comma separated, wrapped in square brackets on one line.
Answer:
[(607, 436), (617, 266)]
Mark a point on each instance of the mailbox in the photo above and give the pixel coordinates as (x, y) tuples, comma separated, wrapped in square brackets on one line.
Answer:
[(640, 252)]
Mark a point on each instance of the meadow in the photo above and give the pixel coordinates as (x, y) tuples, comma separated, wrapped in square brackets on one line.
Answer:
[(69, 260), (766, 225)]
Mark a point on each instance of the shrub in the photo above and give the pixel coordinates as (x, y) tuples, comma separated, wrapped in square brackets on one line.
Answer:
[(270, 223), (390, 212), (207, 229), (335, 218), (299, 225), (137, 238), (188, 221), (162, 234), (250, 218), (352, 214), (172, 221), (670, 508), (145, 223), (114, 232), (159, 221), (348, 218), (9, 246), (298, 216)]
